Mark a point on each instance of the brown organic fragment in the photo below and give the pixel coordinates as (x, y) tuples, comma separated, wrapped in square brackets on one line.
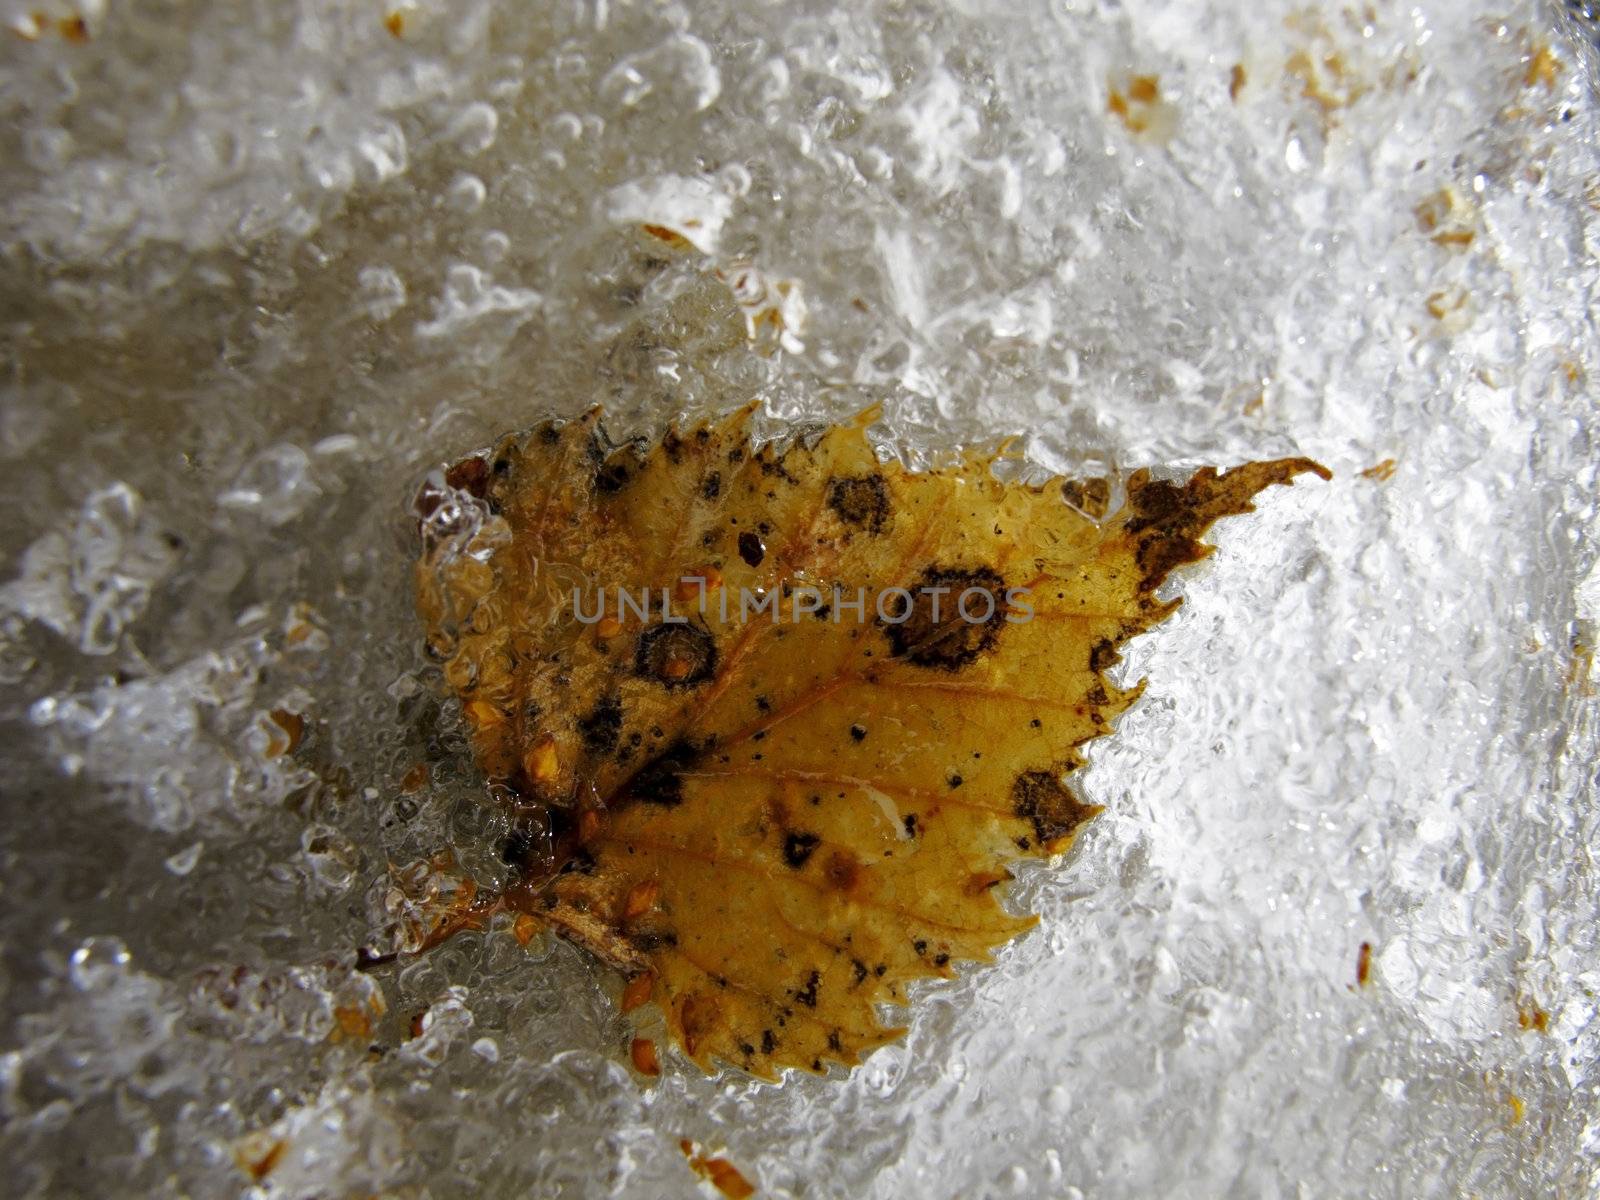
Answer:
[(773, 826), (719, 1172)]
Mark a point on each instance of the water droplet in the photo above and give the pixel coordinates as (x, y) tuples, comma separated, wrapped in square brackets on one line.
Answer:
[(97, 962)]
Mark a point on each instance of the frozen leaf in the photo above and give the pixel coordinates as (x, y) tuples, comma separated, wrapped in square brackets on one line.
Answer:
[(775, 720)]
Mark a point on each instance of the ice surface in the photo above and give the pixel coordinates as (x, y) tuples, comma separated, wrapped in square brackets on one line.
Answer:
[(265, 266)]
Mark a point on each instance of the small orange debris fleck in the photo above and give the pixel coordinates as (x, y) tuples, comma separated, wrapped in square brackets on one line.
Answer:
[(1531, 1016), (677, 666), (523, 928), (641, 899), (1136, 101), (1381, 472), (643, 1053), (1236, 81), (1444, 303), (670, 236), (1519, 1110), (728, 1180), (721, 1173), (395, 23), (259, 1166), (704, 581), (352, 1023), (293, 726), (1144, 89), (637, 993), (416, 1023), (74, 29), (1544, 69), (542, 763), (415, 779), (1364, 964), (1446, 218), (484, 715), (1580, 666), (608, 627)]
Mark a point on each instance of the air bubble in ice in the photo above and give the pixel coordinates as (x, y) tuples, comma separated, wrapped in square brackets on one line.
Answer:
[(487, 1049), (93, 579), (470, 294), (693, 208), (382, 153), (768, 83), (466, 193), (332, 858), (382, 293), (735, 179), (275, 486), (342, 1141), (185, 860), (48, 149), (678, 71), (567, 126), (474, 127), (941, 127), (444, 1021), (496, 245)]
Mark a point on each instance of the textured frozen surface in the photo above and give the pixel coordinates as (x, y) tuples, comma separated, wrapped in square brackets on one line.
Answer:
[(264, 265)]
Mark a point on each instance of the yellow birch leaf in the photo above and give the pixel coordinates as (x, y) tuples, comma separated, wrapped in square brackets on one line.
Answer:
[(773, 819)]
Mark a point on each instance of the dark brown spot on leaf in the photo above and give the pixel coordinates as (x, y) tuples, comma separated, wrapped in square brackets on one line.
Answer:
[(1102, 655), (842, 871), (807, 995), (676, 655), (614, 474), (956, 615), (1041, 797), (798, 847), (601, 729), (660, 781), (751, 548), (860, 500)]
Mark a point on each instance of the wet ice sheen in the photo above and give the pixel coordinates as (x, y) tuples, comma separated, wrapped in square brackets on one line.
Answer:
[(266, 266)]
